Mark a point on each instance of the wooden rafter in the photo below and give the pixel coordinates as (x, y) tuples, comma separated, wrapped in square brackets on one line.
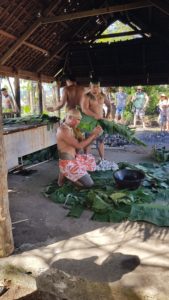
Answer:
[(55, 54), (20, 41), (120, 34), (30, 45), (62, 48), (161, 5), (8, 71), (28, 32), (96, 12)]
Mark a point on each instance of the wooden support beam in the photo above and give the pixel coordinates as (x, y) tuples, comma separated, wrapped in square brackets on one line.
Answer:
[(6, 238), (161, 5), (40, 97), (58, 85), (96, 12), (119, 34), (13, 37), (54, 4), (8, 71), (18, 95), (28, 33), (20, 41), (55, 54)]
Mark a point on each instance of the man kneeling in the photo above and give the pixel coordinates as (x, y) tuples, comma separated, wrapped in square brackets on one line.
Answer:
[(72, 165)]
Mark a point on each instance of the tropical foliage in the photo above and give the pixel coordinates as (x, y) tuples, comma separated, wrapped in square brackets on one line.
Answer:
[(147, 203)]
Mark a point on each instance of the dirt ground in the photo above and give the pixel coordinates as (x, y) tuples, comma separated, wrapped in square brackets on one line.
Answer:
[(31, 211), (131, 256)]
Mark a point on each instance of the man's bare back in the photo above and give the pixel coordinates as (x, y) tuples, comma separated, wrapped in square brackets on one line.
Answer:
[(73, 95)]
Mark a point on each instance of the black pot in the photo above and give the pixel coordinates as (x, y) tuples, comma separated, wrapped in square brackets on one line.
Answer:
[(128, 179)]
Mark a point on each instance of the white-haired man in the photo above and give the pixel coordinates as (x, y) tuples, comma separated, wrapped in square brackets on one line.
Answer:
[(72, 165)]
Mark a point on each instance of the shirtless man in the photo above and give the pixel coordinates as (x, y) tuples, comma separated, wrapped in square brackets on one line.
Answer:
[(72, 95), (72, 165), (92, 105), (8, 104)]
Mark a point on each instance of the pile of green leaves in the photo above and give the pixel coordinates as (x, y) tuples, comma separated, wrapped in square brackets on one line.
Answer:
[(32, 120), (160, 154), (88, 123), (149, 203)]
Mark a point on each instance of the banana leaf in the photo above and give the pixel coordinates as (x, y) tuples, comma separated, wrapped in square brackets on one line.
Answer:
[(76, 211), (99, 205), (153, 213), (88, 123)]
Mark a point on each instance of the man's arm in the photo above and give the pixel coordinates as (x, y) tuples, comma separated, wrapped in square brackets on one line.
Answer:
[(70, 140), (61, 103), (108, 104), (86, 108)]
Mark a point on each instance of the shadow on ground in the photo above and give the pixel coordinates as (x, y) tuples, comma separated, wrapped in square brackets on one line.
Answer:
[(81, 284)]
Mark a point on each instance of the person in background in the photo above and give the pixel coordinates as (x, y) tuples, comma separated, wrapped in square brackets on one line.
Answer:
[(92, 105), (163, 112), (121, 99), (110, 97), (8, 105), (72, 95), (72, 165), (140, 100)]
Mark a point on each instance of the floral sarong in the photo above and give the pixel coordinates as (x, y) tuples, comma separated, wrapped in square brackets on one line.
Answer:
[(74, 169)]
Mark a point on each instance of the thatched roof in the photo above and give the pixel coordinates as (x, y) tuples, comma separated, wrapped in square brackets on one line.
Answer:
[(40, 38)]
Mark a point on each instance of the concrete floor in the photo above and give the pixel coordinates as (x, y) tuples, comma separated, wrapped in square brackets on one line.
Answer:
[(132, 257)]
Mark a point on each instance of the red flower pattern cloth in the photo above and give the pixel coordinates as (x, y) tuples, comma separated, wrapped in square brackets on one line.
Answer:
[(76, 168)]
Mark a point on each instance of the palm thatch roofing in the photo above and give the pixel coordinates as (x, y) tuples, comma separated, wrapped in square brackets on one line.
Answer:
[(43, 39)]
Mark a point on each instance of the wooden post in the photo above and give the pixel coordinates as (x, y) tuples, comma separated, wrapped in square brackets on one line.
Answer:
[(58, 84), (54, 94), (6, 238), (17, 95), (40, 97)]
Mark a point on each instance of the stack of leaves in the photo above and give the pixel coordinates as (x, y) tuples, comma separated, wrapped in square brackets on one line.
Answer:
[(148, 203), (88, 123), (32, 120)]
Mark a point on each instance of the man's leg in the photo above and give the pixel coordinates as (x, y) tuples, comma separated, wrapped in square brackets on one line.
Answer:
[(61, 179), (85, 181), (141, 115), (135, 119), (101, 149), (117, 115)]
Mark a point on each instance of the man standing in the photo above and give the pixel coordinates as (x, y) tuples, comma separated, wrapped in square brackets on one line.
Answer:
[(140, 101), (72, 95), (72, 165), (121, 99), (7, 103), (92, 105)]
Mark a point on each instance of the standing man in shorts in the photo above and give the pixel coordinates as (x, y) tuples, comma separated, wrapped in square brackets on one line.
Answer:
[(92, 105), (121, 99), (140, 101)]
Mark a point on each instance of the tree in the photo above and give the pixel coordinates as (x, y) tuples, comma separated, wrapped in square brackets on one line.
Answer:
[(6, 238)]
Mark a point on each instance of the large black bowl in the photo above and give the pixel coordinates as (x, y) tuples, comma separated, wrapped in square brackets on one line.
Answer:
[(128, 179)]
